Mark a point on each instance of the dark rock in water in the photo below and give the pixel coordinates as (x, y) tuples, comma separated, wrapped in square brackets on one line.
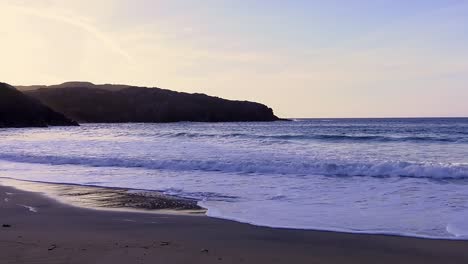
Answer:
[(19, 110), (86, 102)]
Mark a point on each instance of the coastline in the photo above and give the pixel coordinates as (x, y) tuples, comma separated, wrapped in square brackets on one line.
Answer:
[(42, 229)]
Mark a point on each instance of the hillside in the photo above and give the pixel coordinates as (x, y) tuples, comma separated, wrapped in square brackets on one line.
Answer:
[(19, 110), (86, 102)]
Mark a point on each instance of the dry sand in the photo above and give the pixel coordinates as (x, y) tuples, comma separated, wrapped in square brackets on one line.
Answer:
[(41, 230)]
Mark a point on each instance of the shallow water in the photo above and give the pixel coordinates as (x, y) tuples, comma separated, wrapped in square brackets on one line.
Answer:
[(392, 176)]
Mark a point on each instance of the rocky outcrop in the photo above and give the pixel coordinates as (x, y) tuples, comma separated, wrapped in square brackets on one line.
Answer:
[(19, 110), (86, 102)]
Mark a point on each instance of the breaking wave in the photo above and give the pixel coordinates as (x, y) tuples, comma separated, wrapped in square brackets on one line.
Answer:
[(262, 166), (320, 137)]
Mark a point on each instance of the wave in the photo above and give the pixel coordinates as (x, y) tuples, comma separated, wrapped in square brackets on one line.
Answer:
[(454, 232), (320, 137), (252, 166), (370, 138)]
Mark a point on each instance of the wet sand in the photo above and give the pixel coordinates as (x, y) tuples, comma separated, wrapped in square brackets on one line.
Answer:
[(38, 229)]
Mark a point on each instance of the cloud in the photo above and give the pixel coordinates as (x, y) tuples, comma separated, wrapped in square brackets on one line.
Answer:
[(66, 17)]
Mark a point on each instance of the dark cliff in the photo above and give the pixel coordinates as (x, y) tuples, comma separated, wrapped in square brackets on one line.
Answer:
[(86, 102), (19, 110)]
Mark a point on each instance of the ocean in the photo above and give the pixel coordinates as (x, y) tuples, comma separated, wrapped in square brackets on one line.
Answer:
[(380, 176)]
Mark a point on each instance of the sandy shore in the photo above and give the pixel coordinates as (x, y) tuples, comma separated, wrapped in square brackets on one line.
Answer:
[(38, 229)]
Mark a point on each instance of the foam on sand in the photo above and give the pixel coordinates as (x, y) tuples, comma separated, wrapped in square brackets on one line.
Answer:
[(459, 227), (30, 208)]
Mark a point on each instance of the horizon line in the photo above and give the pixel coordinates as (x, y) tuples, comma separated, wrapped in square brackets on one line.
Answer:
[(394, 117)]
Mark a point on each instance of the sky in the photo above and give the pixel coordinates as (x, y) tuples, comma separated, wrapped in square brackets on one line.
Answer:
[(303, 58)]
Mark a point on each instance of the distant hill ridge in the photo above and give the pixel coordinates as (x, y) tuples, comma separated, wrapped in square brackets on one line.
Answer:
[(19, 110), (110, 87), (107, 103)]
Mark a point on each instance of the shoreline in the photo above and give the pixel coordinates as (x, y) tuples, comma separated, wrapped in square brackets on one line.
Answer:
[(108, 198), (147, 201), (57, 232)]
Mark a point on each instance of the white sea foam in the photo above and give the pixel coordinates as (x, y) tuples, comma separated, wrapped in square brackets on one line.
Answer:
[(459, 226), (298, 167), (30, 208)]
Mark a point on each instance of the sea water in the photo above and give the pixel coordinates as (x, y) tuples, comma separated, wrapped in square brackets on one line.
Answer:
[(388, 176)]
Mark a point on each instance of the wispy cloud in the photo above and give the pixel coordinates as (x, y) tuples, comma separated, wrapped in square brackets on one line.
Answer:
[(67, 17)]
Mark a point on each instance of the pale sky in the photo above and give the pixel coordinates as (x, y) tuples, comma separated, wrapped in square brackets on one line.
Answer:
[(333, 58)]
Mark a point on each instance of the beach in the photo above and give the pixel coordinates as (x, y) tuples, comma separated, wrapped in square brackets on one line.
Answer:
[(263, 132), (39, 229)]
